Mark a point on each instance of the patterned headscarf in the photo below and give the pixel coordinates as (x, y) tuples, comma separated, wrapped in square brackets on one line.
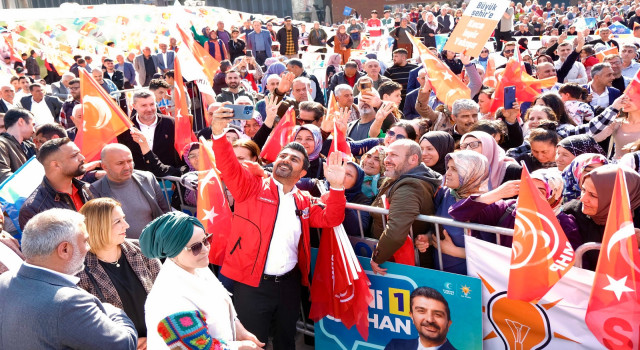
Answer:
[(580, 144), (275, 68), (473, 171), (317, 139), (573, 173), (552, 178)]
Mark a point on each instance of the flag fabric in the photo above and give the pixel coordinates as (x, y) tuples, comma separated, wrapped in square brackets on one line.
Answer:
[(610, 51), (613, 314), (209, 64), (8, 39), (183, 128), (447, 86), (555, 322), (489, 75), (102, 118), (339, 141), (633, 89), (213, 208), (340, 287), (527, 87), (541, 253), (18, 187), (280, 137)]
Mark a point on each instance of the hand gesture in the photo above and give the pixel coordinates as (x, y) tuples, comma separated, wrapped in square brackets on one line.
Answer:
[(221, 118), (139, 137), (334, 170), (285, 84), (272, 109), (464, 58), (254, 168), (370, 99), (620, 101), (511, 115), (342, 119), (92, 165), (385, 110), (377, 269), (422, 243), (562, 37), (509, 189)]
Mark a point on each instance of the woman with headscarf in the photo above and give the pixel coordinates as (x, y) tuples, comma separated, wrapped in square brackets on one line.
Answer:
[(215, 47), (572, 175), (275, 68), (632, 160), (571, 147), (372, 164), (429, 30), (333, 66), (191, 154), (466, 172), (435, 146), (589, 213), (495, 209), (343, 43), (310, 137), (501, 168), (186, 284)]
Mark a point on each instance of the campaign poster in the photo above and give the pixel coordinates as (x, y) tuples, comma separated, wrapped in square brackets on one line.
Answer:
[(476, 25)]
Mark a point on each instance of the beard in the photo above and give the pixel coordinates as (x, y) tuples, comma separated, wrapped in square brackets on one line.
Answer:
[(78, 171), (77, 261), (439, 338), (283, 173), (233, 85)]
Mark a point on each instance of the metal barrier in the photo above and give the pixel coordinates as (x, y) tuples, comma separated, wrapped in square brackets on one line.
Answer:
[(583, 249)]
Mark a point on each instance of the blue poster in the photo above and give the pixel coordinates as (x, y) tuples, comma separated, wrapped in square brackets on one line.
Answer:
[(591, 22), (347, 11), (389, 313), (441, 40)]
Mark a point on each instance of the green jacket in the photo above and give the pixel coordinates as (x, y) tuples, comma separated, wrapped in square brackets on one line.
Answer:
[(200, 38)]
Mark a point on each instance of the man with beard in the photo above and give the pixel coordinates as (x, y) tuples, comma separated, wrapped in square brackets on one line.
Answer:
[(62, 162), (359, 129), (267, 254), (234, 88), (138, 191), (464, 113), (431, 317), (43, 293), (409, 191), (72, 101)]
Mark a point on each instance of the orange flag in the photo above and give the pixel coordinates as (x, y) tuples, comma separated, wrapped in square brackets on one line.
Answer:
[(489, 75), (602, 54), (527, 87), (447, 86), (633, 89), (541, 253), (613, 313), (280, 136), (209, 64), (213, 208), (102, 118), (183, 130), (8, 39)]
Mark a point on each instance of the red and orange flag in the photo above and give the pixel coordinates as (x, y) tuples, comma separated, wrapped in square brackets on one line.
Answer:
[(339, 142), (209, 64), (633, 89), (280, 136), (615, 295), (183, 130), (527, 87), (602, 54), (541, 253), (102, 118)]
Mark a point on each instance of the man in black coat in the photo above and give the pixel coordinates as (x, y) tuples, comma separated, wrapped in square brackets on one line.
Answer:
[(32, 103), (117, 77), (288, 48)]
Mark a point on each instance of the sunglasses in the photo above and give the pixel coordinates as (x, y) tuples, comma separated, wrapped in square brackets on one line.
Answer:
[(470, 145), (395, 135), (196, 248), (301, 121), (508, 51)]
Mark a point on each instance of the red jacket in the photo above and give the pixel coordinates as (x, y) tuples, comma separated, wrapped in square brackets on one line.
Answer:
[(255, 212)]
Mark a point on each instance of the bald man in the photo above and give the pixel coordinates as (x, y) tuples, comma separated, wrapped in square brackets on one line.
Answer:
[(138, 191)]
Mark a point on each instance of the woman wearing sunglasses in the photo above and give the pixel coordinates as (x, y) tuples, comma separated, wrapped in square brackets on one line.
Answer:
[(115, 270), (185, 284)]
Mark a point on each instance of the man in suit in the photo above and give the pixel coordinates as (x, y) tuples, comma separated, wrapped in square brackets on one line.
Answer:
[(61, 88), (158, 131), (53, 312), (431, 317), (165, 58), (138, 191), (45, 109), (7, 94), (259, 42), (146, 65), (129, 72)]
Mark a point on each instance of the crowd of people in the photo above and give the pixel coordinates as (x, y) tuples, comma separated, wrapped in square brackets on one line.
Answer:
[(111, 262)]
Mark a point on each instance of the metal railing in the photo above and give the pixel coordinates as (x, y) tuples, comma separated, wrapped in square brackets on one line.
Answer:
[(583, 249)]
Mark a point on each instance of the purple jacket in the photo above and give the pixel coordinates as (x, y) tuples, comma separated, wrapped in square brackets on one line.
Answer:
[(492, 214)]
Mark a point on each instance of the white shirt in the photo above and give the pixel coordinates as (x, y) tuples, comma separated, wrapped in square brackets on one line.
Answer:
[(148, 130), (600, 100), (577, 74), (164, 59), (283, 250), (41, 112), (8, 104), (72, 279), (20, 94)]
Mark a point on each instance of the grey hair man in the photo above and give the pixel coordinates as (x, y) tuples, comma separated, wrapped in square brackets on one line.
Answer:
[(464, 114)]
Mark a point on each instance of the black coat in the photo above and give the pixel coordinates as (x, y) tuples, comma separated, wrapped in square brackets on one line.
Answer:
[(425, 30), (54, 104), (281, 37), (118, 79)]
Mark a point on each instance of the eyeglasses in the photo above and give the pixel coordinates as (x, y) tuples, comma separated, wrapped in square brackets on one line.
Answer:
[(484, 51), (470, 145), (508, 51), (301, 121), (395, 135), (196, 248)]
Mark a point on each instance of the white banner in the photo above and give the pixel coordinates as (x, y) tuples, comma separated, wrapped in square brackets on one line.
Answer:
[(556, 322)]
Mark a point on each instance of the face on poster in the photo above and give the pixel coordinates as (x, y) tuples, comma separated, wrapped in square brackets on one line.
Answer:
[(476, 25), (393, 318)]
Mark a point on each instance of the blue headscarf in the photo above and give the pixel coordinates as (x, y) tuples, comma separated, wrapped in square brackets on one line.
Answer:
[(317, 139), (573, 173), (276, 68)]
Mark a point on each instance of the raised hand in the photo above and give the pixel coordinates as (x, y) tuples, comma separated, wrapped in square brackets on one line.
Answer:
[(334, 170), (385, 110), (285, 84), (221, 119), (272, 109)]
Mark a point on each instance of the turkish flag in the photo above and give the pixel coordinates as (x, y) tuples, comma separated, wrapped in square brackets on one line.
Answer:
[(339, 142), (527, 87), (8, 39), (633, 89), (602, 54), (209, 64), (280, 137), (340, 287), (541, 253), (213, 208), (447, 86), (183, 130), (102, 118), (613, 313)]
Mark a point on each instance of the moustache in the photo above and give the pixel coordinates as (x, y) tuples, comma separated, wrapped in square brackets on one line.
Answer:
[(430, 324)]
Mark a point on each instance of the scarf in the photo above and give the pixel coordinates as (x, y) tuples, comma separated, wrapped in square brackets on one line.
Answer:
[(317, 138), (473, 171), (604, 179), (554, 184), (342, 37), (495, 155), (444, 144), (572, 175), (370, 185), (580, 144), (631, 160)]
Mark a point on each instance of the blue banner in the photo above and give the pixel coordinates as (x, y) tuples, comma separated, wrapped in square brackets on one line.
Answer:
[(441, 40), (591, 22), (389, 313), (347, 11)]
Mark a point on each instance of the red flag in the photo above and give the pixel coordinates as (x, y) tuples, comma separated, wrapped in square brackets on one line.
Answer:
[(633, 89), (339, 142), (489, 78), (613, 313), (335, 290), (602, 54), (406, 255), (209, 64), (102, 118), (541, 253), (527, 87), (280, 137), (213, 208), (8, 38), (183, 130)]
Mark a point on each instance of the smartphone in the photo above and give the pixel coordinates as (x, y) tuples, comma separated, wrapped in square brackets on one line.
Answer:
[(248, 53), (366, 85), (509, 97), (241, 112)]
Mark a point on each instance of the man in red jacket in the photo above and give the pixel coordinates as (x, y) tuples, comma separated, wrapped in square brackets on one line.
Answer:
[(268, 252)]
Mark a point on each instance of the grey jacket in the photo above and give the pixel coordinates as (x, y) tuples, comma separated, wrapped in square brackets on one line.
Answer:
[(13, 155), (42, 310)]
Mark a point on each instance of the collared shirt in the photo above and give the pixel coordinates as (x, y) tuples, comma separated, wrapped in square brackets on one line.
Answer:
[(41, 112), (631, 71), (261, 41), (148, 130), (70, 278), (8, 104), (600, 100), (290, 48), (164, 59), (283, 250)]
